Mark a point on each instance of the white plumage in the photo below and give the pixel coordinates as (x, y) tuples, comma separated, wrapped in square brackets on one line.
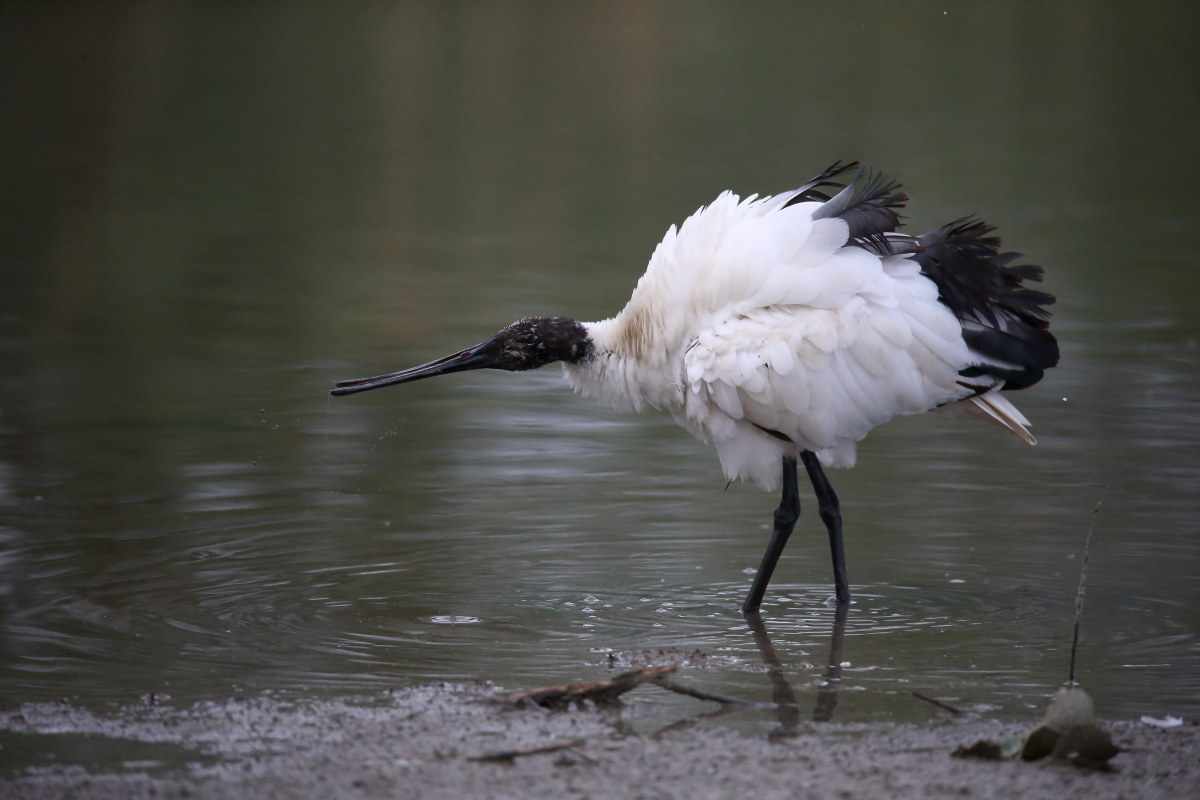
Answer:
[(788, 327), (751, 314)]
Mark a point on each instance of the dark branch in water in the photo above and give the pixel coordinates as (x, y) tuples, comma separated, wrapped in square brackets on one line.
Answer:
[(699, 694), (944, 706), (601, 693), (608, 692), (507, 756)]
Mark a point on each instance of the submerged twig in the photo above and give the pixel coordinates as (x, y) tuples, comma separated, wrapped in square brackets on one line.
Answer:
[(699, 694), (608, 693), (1087, 546), (599, 692), (507, 756), (958, 712)]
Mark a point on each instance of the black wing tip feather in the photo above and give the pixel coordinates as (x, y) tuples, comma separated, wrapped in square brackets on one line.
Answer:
[(811, 192), (966, 241), (867, 202), (981, 285), (868, 205)]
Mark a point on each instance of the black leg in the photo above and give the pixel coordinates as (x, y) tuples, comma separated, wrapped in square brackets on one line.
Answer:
[(831, 515), (785, 520)]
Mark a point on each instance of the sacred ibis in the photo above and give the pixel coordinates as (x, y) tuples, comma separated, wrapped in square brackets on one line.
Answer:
[(787, 327)]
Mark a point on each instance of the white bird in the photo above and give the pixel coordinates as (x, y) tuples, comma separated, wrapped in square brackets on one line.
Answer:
[(787, 327)]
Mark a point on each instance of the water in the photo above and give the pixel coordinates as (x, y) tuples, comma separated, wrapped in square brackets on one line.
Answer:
[(212, 213)]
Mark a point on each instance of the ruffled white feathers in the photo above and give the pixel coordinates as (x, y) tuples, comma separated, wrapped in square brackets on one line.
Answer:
[(767, 332)]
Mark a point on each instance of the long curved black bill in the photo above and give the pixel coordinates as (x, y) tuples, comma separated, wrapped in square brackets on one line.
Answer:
[(481, 356)]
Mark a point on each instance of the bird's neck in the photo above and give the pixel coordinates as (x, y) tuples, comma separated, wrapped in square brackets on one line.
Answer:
[(621, 372)]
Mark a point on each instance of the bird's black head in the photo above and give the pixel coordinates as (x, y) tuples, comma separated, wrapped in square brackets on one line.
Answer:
[(528, 343), (534, 342)]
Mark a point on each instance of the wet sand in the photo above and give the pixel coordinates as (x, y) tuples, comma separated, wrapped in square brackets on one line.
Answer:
[(438, 741)]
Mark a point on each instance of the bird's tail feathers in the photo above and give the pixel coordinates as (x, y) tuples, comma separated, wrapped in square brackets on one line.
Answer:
[(997, 409)]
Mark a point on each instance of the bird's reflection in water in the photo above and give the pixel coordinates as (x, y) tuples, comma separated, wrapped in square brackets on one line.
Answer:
[(784, 703), (787, 708), (827, 693)]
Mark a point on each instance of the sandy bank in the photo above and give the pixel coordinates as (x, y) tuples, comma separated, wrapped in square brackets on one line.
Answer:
[(427, 742)]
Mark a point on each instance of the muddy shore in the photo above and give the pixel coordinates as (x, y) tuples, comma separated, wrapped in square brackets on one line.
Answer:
[(449, 741)]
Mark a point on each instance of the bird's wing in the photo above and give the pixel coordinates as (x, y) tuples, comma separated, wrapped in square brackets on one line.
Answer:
[(822, 377)]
